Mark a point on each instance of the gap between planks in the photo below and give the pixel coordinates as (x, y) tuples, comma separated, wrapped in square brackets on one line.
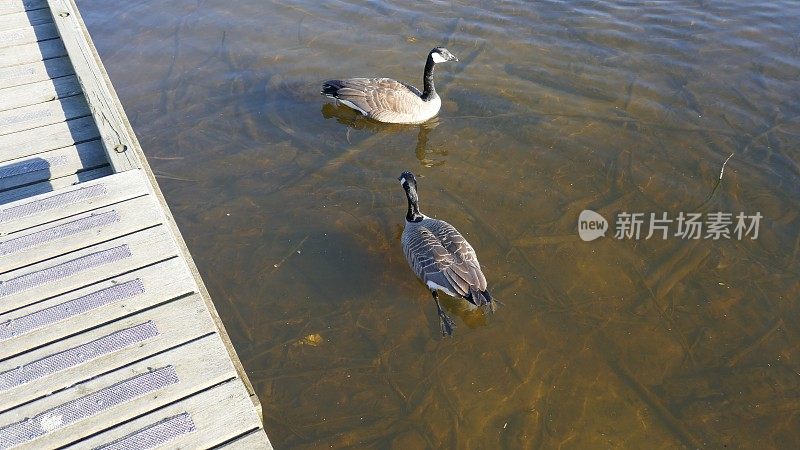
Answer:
[(46, 208), (43, 114), (22, 19), (198, 365), (23, 74), (172, 324), (110, 259), (211, 427), (28, 35), (31, 52), (51, 165), (78, 232), (39, 92), (158, 283), (13, 6), (54, 184), (49, 137)]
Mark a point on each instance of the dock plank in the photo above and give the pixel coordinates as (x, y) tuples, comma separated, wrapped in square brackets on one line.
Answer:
[(33, 72), (76, 232), (46, 208), (79, 358), (30, 53), (49, 137), (120, 141), (24, 19), (115, 130), (13, 6), (96, 304), (53, 164), (29, 285), (208, 427), (39, 92), (117, 397), (53, 184), (27, 35), (41, 114), (256, 440), (106, 329)]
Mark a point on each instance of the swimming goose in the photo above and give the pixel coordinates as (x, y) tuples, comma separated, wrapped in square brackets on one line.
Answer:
[(387, 100), (441, 257)]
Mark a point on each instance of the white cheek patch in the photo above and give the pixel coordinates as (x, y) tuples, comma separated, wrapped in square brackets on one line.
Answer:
[(403, 180), (438, 58)]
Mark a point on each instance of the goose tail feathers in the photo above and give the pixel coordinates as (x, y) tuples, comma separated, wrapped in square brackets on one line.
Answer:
[(483, 299), (331, 88)]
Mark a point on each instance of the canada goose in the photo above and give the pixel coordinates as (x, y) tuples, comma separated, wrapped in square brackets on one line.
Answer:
[(387, 100), (441, 257)]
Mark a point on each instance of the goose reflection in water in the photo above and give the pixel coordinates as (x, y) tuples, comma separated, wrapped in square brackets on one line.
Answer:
[(356, 121)]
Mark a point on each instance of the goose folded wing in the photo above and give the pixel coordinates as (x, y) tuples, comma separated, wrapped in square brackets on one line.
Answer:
[(462, 252), (435, 263), (378, 96)]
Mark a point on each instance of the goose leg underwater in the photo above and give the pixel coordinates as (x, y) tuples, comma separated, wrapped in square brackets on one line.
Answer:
[(441, 257), (445, 322)]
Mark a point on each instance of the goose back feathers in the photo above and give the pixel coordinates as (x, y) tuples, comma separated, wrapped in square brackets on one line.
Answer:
[(388, 100), (444, 260), (439, 255)]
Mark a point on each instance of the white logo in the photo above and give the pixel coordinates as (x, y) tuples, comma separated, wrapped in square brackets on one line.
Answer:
[(591, 225)]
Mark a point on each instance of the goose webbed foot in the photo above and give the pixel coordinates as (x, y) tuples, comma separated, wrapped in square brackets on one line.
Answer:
[(445, 322), (492, 306)]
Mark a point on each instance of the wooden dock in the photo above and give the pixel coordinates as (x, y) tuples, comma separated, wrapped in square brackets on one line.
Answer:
[(108, 337)]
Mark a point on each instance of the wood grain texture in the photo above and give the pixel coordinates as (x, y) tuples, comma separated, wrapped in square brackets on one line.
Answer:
[(21, 249), (115, 130), (39, 92), (111, 190), (62, 162), (199, 365), (101, 97), (41, 114), (43, 255), (161, 282), (34, 72), (13, 6), (48, 137), (256, 440), (145, 247), (25, 19), (176, 323), (27, 35), (54, 184), (212, 427), (29, 53)]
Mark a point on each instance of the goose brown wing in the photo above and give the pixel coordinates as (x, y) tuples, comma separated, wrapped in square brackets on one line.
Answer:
[(380, 98)]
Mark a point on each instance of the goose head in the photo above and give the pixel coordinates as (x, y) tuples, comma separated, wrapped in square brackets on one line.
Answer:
[(407, 179), (441, 54), (409, 183)]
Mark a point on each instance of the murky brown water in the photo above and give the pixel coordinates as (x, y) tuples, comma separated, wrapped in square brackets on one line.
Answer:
[(292, 210)]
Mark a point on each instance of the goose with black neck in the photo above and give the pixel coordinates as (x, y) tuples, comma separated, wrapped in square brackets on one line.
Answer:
[(390, 101), (441, 257)]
